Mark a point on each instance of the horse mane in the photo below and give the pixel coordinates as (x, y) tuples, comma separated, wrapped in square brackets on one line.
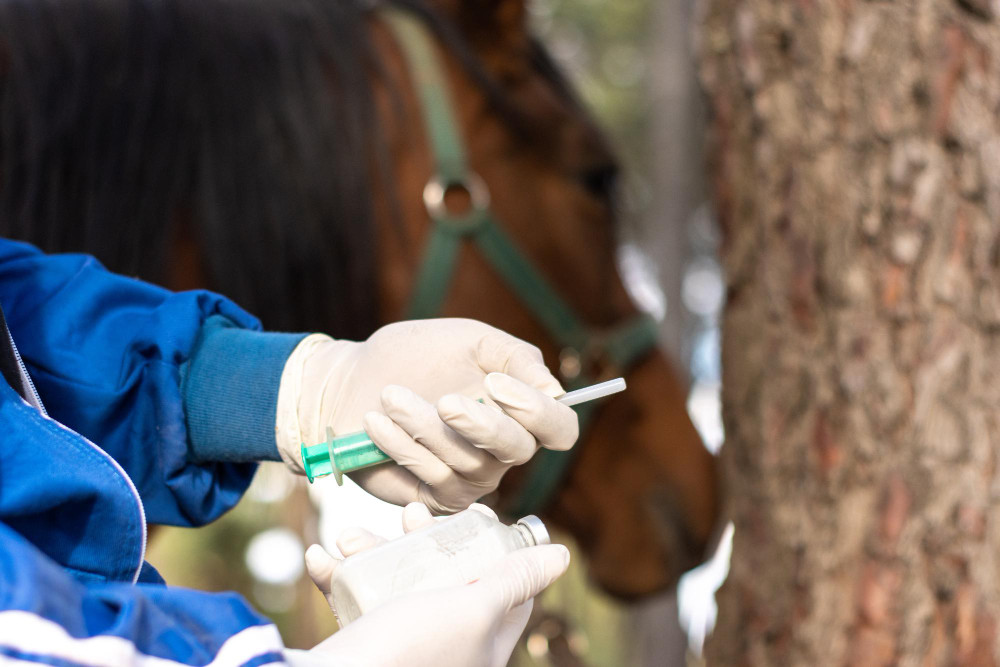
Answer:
[(121, 121)]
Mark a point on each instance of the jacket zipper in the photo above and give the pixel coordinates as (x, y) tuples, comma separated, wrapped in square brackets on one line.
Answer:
[(115, 464), (25, 377), (131, 486)]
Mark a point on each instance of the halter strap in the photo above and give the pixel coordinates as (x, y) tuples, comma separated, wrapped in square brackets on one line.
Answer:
[(619, 347)]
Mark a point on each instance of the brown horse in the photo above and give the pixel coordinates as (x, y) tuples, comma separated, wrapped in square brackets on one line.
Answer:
[(276, 154)]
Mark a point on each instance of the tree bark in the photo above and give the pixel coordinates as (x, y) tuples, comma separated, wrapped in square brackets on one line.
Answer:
[(856, 173)]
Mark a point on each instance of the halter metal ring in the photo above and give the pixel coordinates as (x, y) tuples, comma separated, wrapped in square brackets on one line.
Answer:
[(437, 187)]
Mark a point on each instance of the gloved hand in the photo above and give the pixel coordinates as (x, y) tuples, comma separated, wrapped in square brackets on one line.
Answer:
[(463, 626), (412, 386)]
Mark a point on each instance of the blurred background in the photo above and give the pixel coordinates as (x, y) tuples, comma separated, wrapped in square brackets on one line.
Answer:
[(632, 62)]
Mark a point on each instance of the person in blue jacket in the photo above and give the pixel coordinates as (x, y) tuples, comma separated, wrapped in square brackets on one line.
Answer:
[(123, 404)]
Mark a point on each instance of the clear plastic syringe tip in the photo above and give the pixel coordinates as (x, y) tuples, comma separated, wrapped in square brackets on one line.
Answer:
[(593, 392)]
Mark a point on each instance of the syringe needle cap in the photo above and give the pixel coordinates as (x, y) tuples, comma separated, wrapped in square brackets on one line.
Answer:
[(594, 391)]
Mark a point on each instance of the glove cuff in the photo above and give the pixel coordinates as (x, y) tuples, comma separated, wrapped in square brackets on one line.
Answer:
[(288, 432)]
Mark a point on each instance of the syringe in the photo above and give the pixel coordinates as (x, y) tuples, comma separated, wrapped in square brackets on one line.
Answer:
[(355, 451)]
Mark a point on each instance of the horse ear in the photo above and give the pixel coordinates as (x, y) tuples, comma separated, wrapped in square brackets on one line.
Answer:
[(510, 16), (491, 20)]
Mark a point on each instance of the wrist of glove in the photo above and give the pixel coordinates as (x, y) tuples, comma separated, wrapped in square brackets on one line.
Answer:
[(312, 370), (475, 624), (412, 386)]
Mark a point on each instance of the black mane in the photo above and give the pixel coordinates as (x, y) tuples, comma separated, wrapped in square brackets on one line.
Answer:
[(122, 119), (248, 124)]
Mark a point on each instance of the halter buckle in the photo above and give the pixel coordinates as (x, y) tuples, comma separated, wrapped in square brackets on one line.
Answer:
[(479, 197)]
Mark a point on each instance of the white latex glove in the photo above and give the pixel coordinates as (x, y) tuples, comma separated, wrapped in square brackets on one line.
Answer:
[(412, 386), (463, 626)]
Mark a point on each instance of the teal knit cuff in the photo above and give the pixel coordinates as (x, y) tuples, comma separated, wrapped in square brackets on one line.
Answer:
[(230, 391)]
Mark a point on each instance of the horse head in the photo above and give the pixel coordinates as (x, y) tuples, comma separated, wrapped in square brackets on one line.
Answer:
[(640, 496)]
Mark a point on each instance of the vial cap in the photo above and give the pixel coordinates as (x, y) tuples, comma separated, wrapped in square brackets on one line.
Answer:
[(536, 528)]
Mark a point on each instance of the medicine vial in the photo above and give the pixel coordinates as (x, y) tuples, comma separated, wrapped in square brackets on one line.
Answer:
[(451, 552)]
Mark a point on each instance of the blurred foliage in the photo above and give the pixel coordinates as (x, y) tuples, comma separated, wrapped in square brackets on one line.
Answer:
[(604, 45)]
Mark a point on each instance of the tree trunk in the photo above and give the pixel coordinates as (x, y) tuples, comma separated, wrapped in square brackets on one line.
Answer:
[(856, 167)]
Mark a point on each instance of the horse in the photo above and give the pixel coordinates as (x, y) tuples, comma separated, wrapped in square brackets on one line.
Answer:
[(293, 155)]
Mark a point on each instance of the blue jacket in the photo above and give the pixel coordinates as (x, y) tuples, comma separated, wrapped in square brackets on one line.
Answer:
[(127, 373)]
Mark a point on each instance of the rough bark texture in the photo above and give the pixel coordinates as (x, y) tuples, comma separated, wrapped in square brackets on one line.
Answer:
[(856, 167)]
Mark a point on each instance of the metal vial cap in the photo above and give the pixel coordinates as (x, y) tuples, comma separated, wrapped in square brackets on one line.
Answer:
[(535, 528)]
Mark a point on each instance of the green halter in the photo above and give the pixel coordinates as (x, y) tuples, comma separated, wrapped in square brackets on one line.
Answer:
[(620, 347)]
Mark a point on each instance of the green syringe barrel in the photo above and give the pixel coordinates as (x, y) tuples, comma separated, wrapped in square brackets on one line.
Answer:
[(337, 456)]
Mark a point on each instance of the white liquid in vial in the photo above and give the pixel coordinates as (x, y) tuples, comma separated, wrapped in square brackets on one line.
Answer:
[(454, 551)]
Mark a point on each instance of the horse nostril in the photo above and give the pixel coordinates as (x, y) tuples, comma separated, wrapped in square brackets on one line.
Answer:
[(600, 180), (673, 530)]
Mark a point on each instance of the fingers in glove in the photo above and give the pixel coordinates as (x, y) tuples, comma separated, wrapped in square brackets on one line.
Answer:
[(392, 439), (352, 540), (440, 487), (422, 422), (522, 575), (392, 483), (553, 424), (321, 565), (488, 428), (511, 628), (499, 352), (416, 516)]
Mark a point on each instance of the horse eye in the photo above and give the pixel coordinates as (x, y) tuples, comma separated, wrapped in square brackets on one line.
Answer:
[(600, 181)]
